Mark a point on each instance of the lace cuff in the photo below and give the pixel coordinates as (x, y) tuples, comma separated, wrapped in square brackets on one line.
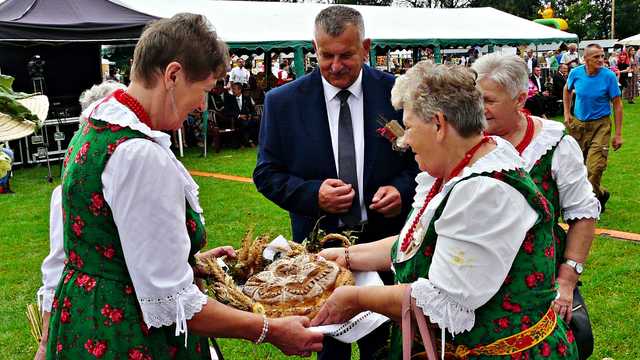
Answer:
[(45, 299), (591, 211), (441, 308), (177, 309)]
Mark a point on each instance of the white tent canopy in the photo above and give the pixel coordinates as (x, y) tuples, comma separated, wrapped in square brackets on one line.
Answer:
[(631, 41), (261, 24)]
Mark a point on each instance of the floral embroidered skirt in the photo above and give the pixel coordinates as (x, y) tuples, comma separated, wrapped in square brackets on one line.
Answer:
[(99, 318)]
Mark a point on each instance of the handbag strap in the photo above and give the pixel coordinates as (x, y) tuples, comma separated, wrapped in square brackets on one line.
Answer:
[(408, 307)]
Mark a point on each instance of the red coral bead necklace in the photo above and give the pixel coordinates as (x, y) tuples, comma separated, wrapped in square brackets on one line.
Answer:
[(435, 189), (129, 101)]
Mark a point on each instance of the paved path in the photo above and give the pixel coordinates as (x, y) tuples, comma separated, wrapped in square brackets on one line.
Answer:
[(614, 234)]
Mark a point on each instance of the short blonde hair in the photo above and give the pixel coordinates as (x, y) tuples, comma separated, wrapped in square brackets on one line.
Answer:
[(427, 89)]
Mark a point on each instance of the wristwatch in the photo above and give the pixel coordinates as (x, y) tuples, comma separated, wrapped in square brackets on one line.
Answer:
[(577, 267)]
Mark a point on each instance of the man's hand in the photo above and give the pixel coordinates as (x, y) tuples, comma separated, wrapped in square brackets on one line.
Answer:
[(617, 142), (387, 201), (335, 196), (567, 121)]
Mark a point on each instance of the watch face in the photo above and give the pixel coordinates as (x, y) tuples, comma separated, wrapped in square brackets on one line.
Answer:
[(579, 268)]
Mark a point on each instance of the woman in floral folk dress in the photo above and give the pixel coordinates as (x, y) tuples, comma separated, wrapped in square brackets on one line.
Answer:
[(554, 161), (476, 253), (132, 223)]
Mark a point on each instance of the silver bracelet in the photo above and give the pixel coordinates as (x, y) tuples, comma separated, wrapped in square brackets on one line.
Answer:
[(265, 329)]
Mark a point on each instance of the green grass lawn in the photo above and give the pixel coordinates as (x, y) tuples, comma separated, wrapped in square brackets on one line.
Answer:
[(610, 281)]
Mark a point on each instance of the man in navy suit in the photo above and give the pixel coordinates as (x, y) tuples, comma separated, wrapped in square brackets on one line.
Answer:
[(302, 163), (242, 110)]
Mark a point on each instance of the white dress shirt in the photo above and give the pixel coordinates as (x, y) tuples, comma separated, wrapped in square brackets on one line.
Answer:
[(239, 101), (479, 232), (239, 75), (53, 264), (538, 84), (577, 200), (143, 177), (356, 106)]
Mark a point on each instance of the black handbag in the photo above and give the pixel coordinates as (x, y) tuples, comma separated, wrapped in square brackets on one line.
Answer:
[(581, 326)]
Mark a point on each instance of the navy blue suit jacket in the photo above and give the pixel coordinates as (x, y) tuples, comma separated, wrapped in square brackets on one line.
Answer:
[(295, 154)]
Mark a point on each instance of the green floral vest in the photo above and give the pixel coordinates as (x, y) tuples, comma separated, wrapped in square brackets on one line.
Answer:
[(541, 175), (524, 297), (95, 312)]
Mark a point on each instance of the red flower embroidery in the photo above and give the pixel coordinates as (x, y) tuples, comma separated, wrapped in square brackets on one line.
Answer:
[(191, 226), (508, 280), (116, 316), (97, 204), (198, 350), (548, 252), (137, 354), (86, 282), (85, 129), (76, 259), (106, 310), (173, 351), (545, 186), (545, 350), (100, 349), (55, 303), (562, 348), (428, 250), (107, 252), (77, 226), (97, 349), (114, 127), (68, 276), (128, 289), (570, 337), (503, 323), (545, 205), (67, 156), (59, 347), (525, 322), (112, 147), (539, 276), (66, 303), (527, 246), (65, 317), (81, 156), (531, 281), (145, 329)]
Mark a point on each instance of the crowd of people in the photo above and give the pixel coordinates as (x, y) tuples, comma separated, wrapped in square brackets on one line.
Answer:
[(465, 225), (549, 76)]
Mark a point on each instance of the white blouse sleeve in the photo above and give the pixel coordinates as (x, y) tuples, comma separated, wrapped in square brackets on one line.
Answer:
[(146, 193), (577, 199), (480, 233), (53, 264)]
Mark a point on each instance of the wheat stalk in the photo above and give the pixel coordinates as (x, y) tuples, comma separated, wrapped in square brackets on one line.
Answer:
[(35, 321)]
